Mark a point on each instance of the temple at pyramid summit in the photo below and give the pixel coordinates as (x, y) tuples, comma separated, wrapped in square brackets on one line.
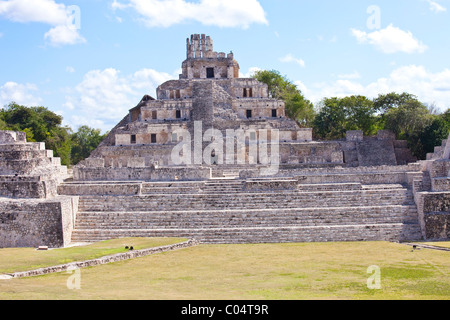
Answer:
[(208, 107), (214, 158)]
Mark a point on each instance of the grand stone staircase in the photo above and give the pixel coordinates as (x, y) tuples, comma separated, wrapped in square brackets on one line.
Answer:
[(228, 211)]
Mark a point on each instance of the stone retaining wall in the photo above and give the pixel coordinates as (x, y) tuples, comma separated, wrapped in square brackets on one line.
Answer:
[(33, 223), (103, 260)]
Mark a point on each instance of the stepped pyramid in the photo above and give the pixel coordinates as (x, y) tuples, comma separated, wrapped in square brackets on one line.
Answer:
[(213, 157), (352, 189), (31, 211)]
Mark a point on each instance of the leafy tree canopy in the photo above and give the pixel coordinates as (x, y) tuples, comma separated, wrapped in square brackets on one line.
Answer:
[(339, 115), (297, 107), (43, 125)]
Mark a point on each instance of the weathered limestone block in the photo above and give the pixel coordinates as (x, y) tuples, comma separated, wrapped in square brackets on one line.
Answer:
[(304, 135), (437, 226), (434, 214), (354, 135), (373, 152), (79, 189), (12, 137), (440, 184), (28, 170), (136, 163), (270, 184), (94, 162), (141, 174), (337, 157), (33, 223), (385, 135), (440, 168), (123, 139)]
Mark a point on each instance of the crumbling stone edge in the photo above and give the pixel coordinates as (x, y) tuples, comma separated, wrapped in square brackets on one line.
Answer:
[(425, 246), (99, 261)]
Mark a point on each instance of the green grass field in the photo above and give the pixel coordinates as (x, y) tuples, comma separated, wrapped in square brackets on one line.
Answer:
[(248, 271)]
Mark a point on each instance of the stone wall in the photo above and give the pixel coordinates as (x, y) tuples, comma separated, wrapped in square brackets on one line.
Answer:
[(140, 174), (31, 212), (434, 214), (27, 169), (32, 223), (432, 194)]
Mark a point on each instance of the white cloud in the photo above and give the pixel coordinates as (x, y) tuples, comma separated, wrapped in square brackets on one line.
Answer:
[(391, 40), (44, 11), (24, 94), (62, 19), (354, 75), (63, 35), (221, 13), (104, 97), (302, 87), (436, 7), (290, 58), (251, 71), (70, 69), (429, 87)]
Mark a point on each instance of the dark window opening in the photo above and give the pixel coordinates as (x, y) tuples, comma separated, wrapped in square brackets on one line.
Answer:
[(133, 139), (154, 115), (178, 114), (248, 92), (274, 113), (249, 113), (209, 73), (153, 138)]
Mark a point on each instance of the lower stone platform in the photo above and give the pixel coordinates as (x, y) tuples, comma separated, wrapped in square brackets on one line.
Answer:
[(245, 211), (37, 222)]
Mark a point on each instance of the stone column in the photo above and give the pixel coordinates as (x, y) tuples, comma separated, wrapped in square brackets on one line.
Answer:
[(189, 52), (203, 46), (209, 44), (197, 46)]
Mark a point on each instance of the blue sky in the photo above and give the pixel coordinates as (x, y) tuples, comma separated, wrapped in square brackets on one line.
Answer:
[(93, 60)]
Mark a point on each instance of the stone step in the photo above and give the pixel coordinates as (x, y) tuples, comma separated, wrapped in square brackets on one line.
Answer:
[(354, 232), (206, 201), (220, 206), (336, 216)]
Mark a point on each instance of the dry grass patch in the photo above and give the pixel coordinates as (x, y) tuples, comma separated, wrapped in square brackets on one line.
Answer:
[(23, 259), (259, 271)]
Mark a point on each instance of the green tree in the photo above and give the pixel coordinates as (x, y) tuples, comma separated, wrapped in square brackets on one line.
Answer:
[(433, 134), (84, 141), (339, 115), (43, 125), (409, 121), (330, 121), (40, 125), (297, 107), (385, 102)]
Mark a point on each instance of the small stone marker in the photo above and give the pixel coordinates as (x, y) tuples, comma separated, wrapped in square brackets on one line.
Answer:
[(42, 248)]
